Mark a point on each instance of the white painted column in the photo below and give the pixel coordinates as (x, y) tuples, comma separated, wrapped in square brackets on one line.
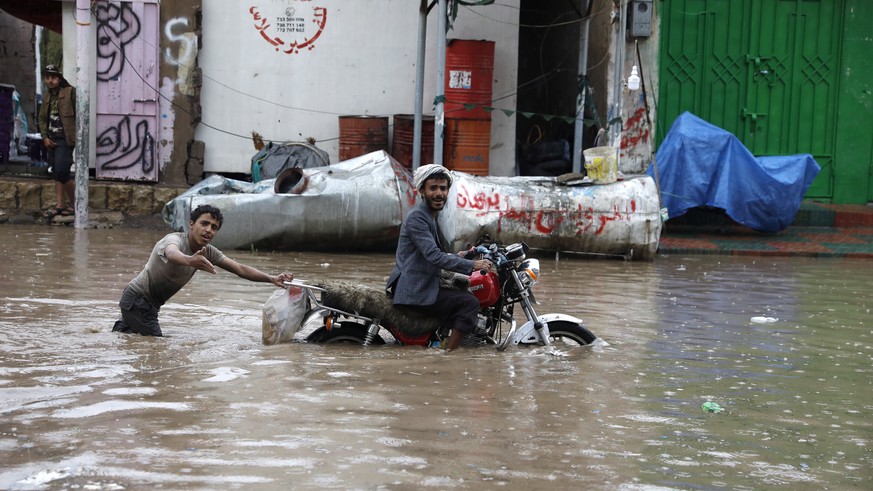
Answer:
[(83, 109)]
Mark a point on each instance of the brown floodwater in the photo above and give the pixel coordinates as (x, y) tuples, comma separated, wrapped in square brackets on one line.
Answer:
[(784, 345)]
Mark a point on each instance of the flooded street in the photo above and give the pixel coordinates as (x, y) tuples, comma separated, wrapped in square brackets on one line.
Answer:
[(784, 345)]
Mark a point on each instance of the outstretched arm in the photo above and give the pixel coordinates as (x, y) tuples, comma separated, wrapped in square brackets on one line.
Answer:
[(196, 260), (254, 274)]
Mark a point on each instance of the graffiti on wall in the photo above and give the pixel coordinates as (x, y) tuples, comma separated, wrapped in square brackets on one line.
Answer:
[(523, 212), (184, 43), (128, 145), (635, 131), (292, 28), (117, 26), (636, 138), (126, 91)]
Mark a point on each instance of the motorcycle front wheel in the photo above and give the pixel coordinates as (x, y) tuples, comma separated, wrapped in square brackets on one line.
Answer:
[(344, 332), (564, 332)]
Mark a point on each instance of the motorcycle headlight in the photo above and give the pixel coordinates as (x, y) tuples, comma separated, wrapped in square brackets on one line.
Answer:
[(529, 272)]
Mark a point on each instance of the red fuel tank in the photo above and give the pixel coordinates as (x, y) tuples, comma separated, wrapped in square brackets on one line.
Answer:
[(485, 287)]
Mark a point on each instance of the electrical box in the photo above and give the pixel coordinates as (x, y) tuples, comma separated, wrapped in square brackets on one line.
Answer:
[(641, 18)]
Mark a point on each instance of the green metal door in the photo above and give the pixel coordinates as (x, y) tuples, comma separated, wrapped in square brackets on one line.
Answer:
[(765, 70)]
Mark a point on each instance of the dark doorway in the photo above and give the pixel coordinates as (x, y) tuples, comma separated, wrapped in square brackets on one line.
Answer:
[(548, 83)]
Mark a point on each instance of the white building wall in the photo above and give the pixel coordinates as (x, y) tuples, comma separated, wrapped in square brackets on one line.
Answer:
[(362, 62)]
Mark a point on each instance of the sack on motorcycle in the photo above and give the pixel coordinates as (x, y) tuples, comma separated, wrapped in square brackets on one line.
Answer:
[(454, 281), (282, 314)]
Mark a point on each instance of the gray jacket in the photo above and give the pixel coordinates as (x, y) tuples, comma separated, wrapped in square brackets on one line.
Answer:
[(416, 274)]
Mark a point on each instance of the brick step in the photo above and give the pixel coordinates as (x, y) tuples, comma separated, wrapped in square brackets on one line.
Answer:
[(715, 220)]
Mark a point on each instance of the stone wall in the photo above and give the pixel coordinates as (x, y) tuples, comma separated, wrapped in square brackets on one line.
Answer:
[(30, 197)]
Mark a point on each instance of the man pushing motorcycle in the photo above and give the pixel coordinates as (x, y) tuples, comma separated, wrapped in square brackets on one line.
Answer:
[(415, 280), (172, 263)]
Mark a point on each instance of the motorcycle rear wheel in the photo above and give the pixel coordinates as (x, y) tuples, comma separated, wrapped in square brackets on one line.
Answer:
[(344, 332), (564, 332)]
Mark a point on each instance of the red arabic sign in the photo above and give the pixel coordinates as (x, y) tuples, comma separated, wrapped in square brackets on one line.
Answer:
[(290, 28)]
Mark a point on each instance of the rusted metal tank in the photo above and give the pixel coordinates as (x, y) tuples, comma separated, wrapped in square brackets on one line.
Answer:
[(469, 77), (467, 145), (360, 135), (404, 137)]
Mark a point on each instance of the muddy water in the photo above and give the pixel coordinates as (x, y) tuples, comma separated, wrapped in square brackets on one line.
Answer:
[(210, 407)]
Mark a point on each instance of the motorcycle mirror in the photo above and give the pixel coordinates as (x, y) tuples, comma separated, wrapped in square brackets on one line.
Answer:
[(515, 251)]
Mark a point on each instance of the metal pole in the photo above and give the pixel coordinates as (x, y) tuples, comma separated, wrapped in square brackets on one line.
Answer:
[(419, 85), (83, 108), (582, 70), (439, 110), (618, 71), (38, 68)]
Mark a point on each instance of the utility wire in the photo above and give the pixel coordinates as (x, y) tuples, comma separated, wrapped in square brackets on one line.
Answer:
[(519, 88)]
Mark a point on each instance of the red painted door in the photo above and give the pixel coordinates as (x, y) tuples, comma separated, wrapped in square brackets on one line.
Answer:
[(126, 93)]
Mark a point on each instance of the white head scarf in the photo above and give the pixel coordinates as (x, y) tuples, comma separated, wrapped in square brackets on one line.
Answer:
[(425, 171)]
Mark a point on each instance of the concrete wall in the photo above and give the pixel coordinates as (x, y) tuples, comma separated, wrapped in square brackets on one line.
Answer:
[(179, 154), (638, 137), (610, 62), (361, 62)]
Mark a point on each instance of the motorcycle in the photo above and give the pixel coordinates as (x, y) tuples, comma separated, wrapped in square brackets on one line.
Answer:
[(350, 313)]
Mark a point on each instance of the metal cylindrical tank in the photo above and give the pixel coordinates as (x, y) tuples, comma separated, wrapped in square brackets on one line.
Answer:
[(469, 78), (622, 218), (467, 145), (360, 135), (404, 137)]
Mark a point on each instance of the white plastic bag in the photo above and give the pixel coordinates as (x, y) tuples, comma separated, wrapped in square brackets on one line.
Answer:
[(282, 314)]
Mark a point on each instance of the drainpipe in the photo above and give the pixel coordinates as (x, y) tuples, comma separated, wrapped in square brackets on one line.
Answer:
[(83, 109), (419, 85), (582, 71), (439, 110)]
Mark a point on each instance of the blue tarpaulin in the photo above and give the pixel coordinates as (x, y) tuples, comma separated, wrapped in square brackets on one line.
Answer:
[(700, 164)]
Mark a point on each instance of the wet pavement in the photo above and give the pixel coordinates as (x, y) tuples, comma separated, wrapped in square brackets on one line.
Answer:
[(819, 230), (783, 344)]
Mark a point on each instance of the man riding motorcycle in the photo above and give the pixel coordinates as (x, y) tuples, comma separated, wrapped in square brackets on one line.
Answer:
[(415, 280)]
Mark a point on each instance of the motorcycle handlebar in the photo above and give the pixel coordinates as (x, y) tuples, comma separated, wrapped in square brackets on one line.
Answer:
[(495, 253), (478, 250)]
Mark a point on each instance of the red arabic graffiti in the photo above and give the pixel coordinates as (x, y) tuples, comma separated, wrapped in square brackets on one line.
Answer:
[(526, 213), (480, 201), (402, 175), (291, 23), (581, 220), (635, 130)]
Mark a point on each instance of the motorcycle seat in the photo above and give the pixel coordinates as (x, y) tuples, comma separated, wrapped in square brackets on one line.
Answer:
[(376, 304)]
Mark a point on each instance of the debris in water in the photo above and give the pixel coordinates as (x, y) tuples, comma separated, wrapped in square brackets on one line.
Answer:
[(711, 407)]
